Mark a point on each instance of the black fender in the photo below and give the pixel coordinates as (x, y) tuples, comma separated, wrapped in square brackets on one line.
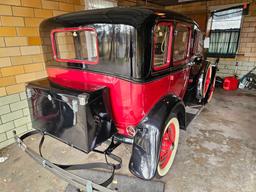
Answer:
[(147, 140)]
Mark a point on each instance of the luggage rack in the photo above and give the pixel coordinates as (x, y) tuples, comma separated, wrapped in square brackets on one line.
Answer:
[(63, 171)]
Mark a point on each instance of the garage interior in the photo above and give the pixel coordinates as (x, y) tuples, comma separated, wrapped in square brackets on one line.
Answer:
[(217, 152)]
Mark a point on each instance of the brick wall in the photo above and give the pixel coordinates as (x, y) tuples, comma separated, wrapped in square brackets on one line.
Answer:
[(14, 115), (21, 57), (127, 3), (247, 47)]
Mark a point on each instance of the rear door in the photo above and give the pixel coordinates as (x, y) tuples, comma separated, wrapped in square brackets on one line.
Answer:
[(180, 58)]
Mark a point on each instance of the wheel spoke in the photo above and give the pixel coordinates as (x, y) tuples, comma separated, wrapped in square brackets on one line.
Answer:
[(162, 157), (171, 133), (165, 158)]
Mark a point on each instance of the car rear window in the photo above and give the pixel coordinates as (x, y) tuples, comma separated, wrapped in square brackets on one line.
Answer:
[(76, 45), (116, 46)]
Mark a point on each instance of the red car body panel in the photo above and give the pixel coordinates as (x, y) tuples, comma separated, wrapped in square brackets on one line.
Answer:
[(130, 101)]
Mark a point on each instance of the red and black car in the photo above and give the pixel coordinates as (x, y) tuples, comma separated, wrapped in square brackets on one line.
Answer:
[(121, 73)]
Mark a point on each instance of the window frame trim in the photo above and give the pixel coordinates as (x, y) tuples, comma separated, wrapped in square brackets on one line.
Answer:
[(169, 54), (182, 61), (54, 47)]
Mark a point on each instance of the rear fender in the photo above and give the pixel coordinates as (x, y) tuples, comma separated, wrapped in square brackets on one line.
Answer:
[(146, 145)]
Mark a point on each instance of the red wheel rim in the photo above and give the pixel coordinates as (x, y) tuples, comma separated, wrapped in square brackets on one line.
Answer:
[(167, 145), (207, 80)]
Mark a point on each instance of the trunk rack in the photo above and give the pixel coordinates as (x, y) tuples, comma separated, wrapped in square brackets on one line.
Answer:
[(63, 170)]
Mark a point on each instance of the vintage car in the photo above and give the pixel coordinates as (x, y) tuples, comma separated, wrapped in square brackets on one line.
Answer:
[(124, 74)]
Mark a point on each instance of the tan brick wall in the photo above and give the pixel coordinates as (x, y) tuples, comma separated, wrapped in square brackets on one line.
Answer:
[(247, 47), (127, 3), (21, 57)]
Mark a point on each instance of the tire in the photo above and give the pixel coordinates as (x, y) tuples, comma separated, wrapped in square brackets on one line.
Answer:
[(168, 147)]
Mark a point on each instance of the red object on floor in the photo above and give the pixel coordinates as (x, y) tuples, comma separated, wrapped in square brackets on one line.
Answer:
[(230, 83)]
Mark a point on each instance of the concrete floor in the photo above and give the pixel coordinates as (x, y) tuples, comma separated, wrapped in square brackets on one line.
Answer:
[(217, 153)]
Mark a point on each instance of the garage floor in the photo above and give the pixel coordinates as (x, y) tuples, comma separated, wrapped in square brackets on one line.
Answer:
[(216, 153)]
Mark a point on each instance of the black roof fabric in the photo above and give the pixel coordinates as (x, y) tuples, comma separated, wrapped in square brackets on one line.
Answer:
[(131, 16)]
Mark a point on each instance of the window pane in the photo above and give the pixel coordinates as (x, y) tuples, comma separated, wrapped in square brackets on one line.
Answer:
[(76, 45), (223, 42), (225, 31), (198, 43), (227, 19), (100, 4), (88, 42), (162, 33), (181, 37), (65, 45)]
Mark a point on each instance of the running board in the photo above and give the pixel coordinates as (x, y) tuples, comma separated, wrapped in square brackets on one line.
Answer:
[(192, 112)]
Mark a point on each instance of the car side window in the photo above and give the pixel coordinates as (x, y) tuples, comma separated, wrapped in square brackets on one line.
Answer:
[(162, 46), (198, 43), (181, 39)]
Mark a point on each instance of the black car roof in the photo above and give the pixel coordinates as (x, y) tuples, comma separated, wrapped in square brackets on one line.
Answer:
[(135, 16)]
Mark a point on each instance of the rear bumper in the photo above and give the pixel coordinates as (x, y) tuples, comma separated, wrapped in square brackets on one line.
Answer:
[(69, 177)]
